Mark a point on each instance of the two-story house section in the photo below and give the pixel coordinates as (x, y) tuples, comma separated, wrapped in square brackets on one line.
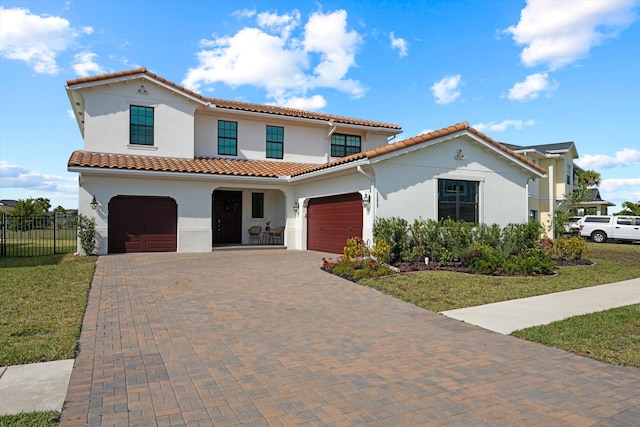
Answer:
[(547, 195), (167, 169)]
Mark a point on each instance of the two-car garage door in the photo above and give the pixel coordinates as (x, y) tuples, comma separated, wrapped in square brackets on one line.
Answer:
[(332, 220), (143, 224)]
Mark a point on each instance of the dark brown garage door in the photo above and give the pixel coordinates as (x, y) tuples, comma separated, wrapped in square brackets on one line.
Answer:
[(332, 220), (142, 224)]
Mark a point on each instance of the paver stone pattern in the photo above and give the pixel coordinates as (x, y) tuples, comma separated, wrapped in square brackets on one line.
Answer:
[(266, 338)]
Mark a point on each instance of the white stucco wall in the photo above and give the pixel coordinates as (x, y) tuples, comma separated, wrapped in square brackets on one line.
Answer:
[(107, 120), (304, 142), (193, 198), (408, 184)]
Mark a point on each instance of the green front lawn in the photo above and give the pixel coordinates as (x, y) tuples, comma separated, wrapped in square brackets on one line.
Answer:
[(611, 336), (441, 290), (43, 303), (31, 419)]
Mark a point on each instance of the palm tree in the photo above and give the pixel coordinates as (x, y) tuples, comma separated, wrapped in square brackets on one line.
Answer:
[(630, 208), (589, 178)]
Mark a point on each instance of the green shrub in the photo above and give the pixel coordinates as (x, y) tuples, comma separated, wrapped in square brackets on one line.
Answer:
[(483, 259), (546, 246), (394, 232), (529, 262), (87, 234), (381, 251), (569, 249), (520, 237), (489, 235), (356, 249)]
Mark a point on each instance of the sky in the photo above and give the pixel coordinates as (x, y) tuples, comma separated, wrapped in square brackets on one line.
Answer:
[(523, 72)]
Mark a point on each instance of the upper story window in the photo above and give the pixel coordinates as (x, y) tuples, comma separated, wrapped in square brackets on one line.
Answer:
[(344, 145), (141, 125), (227, 138), (569, 173), (275, 142)]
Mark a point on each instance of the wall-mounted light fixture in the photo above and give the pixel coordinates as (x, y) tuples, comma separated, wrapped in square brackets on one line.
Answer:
[(296, 206), (366, 200), (94, 203)]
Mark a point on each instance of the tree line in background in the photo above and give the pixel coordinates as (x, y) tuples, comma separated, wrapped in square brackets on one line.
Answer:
[(34, 207)]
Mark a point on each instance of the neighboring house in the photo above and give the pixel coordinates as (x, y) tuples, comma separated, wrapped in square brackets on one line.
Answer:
[(548, 195), (172, 170), (7, 205)]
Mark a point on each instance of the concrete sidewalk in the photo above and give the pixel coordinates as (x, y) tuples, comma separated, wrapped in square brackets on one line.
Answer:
[(508, 316), (34, 387)]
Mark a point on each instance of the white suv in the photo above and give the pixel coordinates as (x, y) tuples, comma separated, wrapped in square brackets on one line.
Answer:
[(602, 227)]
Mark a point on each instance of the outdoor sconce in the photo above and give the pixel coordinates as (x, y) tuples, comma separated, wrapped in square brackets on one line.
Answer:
[(366, 200), (296, 206), (94, 203)]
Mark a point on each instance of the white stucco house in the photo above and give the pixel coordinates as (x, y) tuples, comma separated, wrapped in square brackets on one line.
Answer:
[(166, 169)]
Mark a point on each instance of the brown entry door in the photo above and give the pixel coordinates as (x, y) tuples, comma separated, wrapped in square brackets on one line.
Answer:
[(142, 224), (227, 217), (332, 220)]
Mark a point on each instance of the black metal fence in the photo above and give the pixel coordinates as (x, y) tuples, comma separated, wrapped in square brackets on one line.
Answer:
[(36, 236)]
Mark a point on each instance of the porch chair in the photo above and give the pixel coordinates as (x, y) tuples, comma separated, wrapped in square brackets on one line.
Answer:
[(254, 234), (276, 236)]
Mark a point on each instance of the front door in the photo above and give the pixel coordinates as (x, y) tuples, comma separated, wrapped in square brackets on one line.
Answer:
[(227, 217)]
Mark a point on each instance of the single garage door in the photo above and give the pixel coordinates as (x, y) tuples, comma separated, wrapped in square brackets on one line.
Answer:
[(143, 224), (332, 220)]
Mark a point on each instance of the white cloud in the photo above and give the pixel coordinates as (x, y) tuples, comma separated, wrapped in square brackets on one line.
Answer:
[(84, 64), (446, 90), (244, 13), (71, 114), (557, 33), (34, 39), (400, 44), (87, 30), (503, 125), (282, 24), (315, 102), (270, 58), (615, 184), (532, 87), (625, 157), (14, 176)]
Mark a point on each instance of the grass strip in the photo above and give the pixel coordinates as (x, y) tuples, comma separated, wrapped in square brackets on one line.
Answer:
[(43, 302), (611, 336), (31, 419)]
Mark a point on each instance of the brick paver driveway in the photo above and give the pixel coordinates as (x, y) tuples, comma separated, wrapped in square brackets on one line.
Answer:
[(267, 338)]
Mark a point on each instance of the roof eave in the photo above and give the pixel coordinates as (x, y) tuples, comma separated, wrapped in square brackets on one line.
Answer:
[(94, 170)]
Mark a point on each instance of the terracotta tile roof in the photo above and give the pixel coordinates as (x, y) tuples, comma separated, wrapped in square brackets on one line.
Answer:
[(265, 168), (237, 105), (419, 139), (201, 165)]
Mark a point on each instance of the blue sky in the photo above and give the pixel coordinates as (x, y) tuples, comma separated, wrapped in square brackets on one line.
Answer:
[(524, 73)]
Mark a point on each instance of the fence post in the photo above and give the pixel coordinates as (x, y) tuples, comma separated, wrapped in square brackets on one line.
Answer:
[(3, 244), (54, 233)]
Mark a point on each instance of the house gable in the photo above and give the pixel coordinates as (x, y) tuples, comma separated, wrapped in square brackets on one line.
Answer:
[(186, 124)]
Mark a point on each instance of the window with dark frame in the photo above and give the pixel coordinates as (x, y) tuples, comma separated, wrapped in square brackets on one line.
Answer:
[(140, 125), (458, 200), (345, 145), (275, 142), (257, 205), (227, 138)]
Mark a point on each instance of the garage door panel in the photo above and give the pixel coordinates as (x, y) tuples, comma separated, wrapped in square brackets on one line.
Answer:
[(331, 221), (142, 224)]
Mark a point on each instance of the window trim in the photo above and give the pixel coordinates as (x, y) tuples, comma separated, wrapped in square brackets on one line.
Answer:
[(275, 143), (228, 138), (343, 145), (140, 126)]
